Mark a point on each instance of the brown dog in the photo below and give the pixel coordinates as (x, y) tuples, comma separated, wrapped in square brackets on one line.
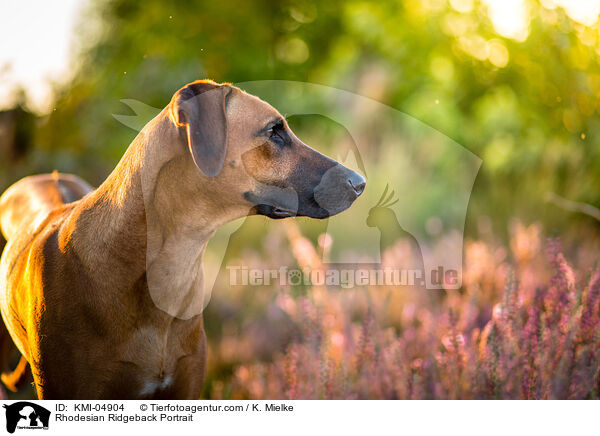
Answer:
[(75, 291)]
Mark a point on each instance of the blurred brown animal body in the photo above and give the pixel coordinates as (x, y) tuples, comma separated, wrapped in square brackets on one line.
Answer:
[(74, 289)]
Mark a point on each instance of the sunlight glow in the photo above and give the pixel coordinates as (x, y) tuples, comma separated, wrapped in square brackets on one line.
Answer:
[(35, 38), (510, 18), (583, 11)]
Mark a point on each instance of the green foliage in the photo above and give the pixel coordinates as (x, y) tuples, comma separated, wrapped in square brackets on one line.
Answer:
[(528, 109)]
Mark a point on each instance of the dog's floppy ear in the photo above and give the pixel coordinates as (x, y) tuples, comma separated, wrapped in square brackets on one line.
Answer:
[(199, 108)]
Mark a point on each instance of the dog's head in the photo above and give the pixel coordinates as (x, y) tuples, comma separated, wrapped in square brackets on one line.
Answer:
[(242, 152)]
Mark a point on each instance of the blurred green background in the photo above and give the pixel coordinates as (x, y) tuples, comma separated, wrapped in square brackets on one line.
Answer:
[(522, 99)]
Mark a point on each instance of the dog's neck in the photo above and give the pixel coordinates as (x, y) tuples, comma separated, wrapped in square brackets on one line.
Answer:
[(135, 229)]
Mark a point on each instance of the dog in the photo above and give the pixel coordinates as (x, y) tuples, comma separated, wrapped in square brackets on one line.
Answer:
[(75, 293)]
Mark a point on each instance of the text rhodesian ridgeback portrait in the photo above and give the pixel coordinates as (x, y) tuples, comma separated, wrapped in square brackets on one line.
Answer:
[(74, 289)]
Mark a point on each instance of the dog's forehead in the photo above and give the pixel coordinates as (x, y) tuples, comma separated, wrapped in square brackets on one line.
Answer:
[(251, 108)]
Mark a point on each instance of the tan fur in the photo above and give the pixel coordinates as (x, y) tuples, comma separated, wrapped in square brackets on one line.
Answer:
[(74, 275)]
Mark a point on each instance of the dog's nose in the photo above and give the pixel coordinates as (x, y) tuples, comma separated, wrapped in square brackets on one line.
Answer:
[(357, 182), (338, 189)]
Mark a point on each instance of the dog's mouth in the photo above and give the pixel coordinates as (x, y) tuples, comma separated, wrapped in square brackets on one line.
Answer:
[(282, 213), (273, 211), (270, 207), (277, 209)]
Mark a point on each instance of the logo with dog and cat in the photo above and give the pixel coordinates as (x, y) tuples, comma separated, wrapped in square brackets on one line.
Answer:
[(24, 415), (413, 208)]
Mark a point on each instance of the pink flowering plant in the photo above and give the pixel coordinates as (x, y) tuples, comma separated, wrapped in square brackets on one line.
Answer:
[(525, 325)]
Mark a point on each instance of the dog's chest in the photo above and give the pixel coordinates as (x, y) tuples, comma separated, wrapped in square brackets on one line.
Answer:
[(161, 359), (154, 376), (152, 387)]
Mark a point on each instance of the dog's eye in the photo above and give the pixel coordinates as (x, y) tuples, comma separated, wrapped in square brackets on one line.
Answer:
[(274, 130), (276, 133)]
